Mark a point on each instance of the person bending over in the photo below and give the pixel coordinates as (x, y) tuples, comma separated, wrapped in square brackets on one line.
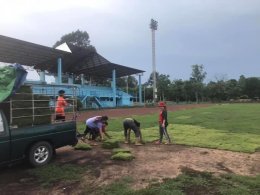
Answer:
[(95, 126), (132, 124)]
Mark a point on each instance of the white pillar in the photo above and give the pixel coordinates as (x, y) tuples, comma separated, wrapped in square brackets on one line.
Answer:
[(70, 79), (42, 76), (82, 79), (114, 87), (59, 71)]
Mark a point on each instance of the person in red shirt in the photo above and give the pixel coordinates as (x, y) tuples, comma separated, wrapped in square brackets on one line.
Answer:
[(163, 123), (60, 105)]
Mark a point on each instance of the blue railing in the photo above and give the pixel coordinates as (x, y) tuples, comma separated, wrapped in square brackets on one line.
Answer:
[(102, 94)]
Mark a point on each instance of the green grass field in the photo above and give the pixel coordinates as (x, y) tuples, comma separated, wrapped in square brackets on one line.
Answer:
[(234, 127)]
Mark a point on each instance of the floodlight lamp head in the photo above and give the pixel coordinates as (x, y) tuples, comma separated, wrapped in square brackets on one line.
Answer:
[(153, 24)]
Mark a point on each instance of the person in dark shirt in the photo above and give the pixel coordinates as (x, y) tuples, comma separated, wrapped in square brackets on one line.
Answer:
[(132, 124)]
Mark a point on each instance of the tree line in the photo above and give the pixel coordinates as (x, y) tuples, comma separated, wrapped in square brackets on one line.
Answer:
[(195, 90)]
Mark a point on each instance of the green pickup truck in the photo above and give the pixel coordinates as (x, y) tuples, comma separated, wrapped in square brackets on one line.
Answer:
[(37, 143), (27, 128)]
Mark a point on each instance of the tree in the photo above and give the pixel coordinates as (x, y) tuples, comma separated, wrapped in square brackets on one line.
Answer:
[(121, 82), (233, 89), (242, 84), (148, 93), (150, 80), (77, 38), (197, 78), (162, 83), (128, 84), (252, 87), (187, 90), (216, 91), (132, 82), (177, 89)]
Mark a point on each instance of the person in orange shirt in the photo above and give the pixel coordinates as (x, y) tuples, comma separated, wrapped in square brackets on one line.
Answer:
[(60, 105)]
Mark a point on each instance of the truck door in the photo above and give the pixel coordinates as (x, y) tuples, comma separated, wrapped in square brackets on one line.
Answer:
[(4, 139)]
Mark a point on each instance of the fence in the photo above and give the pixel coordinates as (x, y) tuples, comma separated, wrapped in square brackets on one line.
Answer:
[(28, 109)]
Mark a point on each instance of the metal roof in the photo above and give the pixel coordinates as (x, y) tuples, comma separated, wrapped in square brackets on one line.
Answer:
[(26, 53), (80, 61)]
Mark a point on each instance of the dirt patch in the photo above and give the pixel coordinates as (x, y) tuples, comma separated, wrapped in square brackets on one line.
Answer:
[(15, 180), (154, 163)]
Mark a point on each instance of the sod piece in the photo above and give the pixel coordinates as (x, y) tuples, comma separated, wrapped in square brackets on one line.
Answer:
[(110, 144), (25, 89), (122, 156), (123, 150), (23, 104), (82, 146)]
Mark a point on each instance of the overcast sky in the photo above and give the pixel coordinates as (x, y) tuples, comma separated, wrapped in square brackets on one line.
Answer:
[(223, 35)]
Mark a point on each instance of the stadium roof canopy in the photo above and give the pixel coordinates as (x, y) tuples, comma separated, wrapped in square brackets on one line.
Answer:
[(78, 61)]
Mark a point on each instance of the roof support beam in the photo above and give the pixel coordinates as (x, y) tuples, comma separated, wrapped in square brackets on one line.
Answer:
[(114, 87), (71, 79), (140, 89), (59, 71), (42, 76), (82, 79)]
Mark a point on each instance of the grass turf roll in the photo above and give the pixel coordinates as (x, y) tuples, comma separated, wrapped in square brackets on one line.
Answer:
[(122, 156), (123, 150), (26, 105), (82, 146), (110, 144)]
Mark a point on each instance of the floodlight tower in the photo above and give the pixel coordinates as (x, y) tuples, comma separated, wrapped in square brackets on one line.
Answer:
[(153, 26)]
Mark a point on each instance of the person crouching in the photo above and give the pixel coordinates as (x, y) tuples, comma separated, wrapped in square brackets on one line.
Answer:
[(95, 127)]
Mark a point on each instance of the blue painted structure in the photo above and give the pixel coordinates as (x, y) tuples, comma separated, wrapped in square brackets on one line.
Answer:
[(140, 89), (59, 71), (114, 87), (90, 96)]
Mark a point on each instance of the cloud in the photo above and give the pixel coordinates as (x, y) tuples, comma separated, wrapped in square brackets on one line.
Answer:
[(223, 35)]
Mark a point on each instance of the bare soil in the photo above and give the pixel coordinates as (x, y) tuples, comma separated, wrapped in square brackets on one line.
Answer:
[(155, 162), (152, 163)]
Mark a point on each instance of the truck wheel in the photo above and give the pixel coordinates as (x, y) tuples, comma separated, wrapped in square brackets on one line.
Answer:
[(40, 154)]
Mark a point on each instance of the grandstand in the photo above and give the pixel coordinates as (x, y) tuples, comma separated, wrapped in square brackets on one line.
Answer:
[(73, 62)]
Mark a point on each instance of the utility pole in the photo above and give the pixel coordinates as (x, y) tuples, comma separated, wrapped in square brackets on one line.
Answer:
[(153, 26)]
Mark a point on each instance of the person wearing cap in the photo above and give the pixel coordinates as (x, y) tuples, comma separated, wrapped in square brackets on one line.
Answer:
[(95, 126), (163, 123), (60, 105), (132, 124)]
